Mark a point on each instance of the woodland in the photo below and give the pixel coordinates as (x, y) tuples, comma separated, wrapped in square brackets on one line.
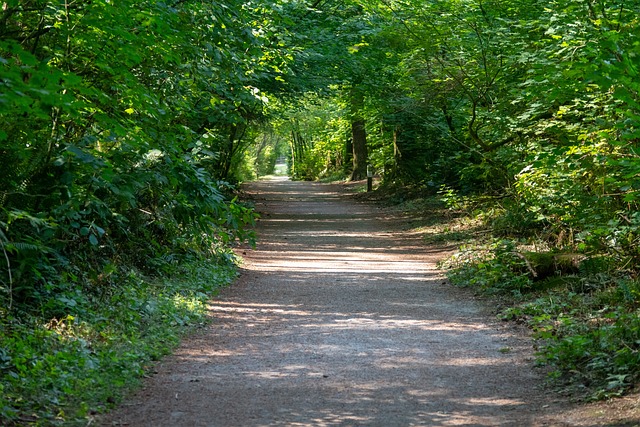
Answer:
[(126, 126)]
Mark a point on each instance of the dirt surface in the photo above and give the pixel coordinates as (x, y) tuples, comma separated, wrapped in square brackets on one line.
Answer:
[(340, 318)]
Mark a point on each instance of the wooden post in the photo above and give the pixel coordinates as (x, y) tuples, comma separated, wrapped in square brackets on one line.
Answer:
[(369, 178)]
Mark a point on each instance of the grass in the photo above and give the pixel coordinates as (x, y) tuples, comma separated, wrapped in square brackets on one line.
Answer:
[(65, 370)]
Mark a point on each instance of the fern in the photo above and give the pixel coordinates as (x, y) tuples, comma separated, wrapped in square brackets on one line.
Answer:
[(20, 173), (22, 246)]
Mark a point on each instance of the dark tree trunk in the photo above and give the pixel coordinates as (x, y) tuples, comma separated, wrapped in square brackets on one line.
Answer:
[(358, 136), (348, 153), (359, 141)]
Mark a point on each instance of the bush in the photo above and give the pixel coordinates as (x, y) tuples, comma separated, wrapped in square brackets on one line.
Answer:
[(493, 268), (62, 371)]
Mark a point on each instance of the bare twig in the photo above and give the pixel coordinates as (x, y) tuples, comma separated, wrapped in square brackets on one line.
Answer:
[(6, 257), (533, 272)]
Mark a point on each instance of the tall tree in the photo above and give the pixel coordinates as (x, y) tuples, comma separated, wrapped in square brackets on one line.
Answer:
[(358, 133)]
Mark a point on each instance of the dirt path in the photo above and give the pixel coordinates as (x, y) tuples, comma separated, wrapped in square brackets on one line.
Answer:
[(339, 319)]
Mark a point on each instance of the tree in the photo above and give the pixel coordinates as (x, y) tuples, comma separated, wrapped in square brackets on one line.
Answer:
[(358, 134), (118, 120)]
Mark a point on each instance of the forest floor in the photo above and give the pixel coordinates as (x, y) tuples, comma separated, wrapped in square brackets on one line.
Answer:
[(341, 318)]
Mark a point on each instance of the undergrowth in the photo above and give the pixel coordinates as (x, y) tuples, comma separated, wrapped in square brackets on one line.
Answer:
[(583, 307), (586, 324), (67, 369)]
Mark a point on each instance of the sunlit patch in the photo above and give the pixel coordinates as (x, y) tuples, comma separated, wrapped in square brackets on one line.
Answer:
[(341, 310), (493, 401), (362, 262)]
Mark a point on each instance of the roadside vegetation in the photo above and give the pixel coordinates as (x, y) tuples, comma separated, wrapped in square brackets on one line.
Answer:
[(582, 309), (117, 206), (83, 359)]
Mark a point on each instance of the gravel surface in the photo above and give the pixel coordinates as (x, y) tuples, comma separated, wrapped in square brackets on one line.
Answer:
[(340, 318)]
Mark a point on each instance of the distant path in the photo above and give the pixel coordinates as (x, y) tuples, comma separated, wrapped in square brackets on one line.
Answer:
[(339, 319)]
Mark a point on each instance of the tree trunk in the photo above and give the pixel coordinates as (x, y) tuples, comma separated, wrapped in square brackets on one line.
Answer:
[(358, 136), (348, 153), (359, 141)]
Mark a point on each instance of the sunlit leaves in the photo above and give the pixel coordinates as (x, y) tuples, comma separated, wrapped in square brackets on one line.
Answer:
[(471, 94), (104, 110)]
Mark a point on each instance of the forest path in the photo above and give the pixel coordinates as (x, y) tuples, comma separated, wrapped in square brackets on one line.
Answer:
[(341, 319)]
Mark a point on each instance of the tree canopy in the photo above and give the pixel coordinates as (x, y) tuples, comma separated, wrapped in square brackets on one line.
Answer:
[(528, 102), (125, 124)]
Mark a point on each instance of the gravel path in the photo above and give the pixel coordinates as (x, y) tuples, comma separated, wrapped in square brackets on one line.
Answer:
[(341, 319)]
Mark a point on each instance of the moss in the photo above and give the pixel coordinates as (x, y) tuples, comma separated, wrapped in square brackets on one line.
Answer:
[(542, 265)]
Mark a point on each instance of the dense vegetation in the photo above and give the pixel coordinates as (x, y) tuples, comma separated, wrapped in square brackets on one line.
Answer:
[(120, 125), (124, 125)]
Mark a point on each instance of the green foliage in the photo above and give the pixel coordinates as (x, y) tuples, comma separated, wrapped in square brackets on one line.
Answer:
[(65, 370), (114, 144), (494, 268), (590, 339), (585, 324), (120, 125), (534, 104), (269, 146), (317, 143)]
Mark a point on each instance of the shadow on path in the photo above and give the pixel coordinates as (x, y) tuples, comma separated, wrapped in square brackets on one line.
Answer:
[(340, 320)]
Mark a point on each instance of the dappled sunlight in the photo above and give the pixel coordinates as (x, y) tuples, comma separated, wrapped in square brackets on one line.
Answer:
[(363, 248), (388, 327), (321, 331), (338, 320), (286, 195), (317, 265)]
